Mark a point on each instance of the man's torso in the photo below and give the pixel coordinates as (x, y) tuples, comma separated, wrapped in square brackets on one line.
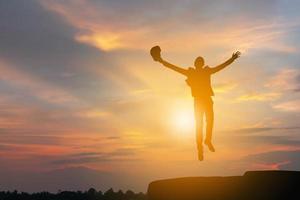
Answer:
[(200, 82)]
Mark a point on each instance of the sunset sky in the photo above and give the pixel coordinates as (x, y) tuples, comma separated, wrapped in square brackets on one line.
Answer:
[(83, 104)]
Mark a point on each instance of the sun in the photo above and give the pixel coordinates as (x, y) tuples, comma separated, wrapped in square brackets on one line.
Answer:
[(183, 120)]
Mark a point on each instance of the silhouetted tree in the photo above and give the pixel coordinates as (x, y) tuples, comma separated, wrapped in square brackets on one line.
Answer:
[(119, 195), (91, 194), (129, 195), (109, 194)]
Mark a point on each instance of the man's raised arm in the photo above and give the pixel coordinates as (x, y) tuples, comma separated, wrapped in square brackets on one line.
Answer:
[(173, 67), (225, 64)]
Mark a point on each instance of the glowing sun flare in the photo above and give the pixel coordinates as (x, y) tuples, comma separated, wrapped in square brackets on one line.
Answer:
[(184, 120)]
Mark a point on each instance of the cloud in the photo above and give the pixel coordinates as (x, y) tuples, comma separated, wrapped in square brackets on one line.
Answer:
[(224, 87), (5, 147), (94, 113), (174, 24), (288, 106), (41, 45), (267, 96), (26, 40), (285, 80), (37, 87), (32, 139), (269, 166), (263, 129), (283, 160), (105, 41), (94, 27), (287, 140), (119, 155)]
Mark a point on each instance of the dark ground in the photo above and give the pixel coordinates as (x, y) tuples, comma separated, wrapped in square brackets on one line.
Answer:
[(254, 185)]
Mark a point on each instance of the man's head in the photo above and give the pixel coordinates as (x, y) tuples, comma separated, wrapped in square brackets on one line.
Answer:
[(199, 62)]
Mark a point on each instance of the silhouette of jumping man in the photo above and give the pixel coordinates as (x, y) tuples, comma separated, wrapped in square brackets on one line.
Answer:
[(199, 80)]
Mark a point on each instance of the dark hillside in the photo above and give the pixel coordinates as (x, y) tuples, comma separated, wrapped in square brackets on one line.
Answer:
[(265, 185)]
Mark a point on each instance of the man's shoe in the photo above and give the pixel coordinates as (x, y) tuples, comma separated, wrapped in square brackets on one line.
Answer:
[(200, 155), (209, 145)]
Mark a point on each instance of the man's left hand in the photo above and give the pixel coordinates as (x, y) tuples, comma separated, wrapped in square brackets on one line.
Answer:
[(236, 55)]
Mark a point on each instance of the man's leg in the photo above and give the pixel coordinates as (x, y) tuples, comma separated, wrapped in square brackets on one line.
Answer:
[(209, 116), (198, 109)]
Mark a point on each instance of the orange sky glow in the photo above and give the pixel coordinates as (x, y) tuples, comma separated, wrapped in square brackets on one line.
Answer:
[(79, 89)]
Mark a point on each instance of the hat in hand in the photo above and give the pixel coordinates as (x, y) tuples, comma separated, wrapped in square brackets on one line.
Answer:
[(155, 53)]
